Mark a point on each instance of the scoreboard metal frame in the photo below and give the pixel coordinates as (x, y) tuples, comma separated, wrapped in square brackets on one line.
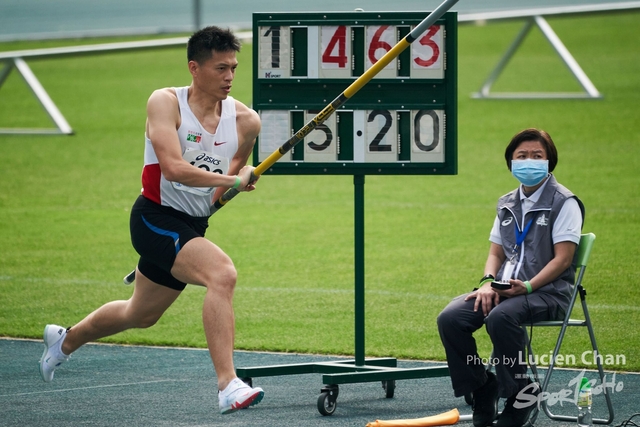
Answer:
[(404, 121)]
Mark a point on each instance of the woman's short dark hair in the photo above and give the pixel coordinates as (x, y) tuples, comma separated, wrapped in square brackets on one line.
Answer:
[(202, 43), (533, 135)]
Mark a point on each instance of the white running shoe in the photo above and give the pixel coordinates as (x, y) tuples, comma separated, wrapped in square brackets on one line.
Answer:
[(52, 357), (238, 395)]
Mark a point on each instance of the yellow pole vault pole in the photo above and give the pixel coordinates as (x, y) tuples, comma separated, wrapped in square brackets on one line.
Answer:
[(341, 99)]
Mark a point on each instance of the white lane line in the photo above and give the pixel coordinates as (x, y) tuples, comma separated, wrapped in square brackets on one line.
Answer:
[(89, 388)]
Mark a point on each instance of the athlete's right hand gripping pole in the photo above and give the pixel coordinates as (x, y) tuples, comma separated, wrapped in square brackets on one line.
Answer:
[(340, 99)]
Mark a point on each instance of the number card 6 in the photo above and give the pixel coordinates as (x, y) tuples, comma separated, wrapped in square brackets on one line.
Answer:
[(380, 39)]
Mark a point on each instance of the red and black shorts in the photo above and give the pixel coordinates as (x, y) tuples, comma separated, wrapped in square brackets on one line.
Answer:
[(157, 234)]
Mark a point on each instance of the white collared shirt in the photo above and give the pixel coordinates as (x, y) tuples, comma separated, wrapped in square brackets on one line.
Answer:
[(568, 224)]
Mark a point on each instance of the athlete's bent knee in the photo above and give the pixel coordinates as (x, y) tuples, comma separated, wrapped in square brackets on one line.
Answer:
[(230, 273), (222, 277), (146, 321)]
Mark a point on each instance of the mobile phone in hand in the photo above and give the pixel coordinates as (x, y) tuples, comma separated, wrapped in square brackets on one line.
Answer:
[(501, 285)]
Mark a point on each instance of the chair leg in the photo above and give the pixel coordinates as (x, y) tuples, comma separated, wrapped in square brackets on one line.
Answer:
[(594, 346), (536, 377), (545, 382), (547, 377)]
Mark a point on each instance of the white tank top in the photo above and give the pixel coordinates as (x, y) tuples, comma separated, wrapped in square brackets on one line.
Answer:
[(202, 149)]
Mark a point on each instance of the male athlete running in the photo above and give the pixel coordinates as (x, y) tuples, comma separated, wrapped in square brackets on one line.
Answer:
[(197, 143)]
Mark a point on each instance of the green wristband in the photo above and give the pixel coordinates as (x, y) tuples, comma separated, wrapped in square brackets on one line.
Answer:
[(528, 285), (487, 278), (237, 184)]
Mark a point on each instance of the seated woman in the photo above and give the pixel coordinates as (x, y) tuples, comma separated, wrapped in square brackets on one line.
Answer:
[(533, 245)]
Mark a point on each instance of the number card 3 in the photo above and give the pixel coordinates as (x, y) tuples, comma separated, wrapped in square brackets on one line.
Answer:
[(427, 54)]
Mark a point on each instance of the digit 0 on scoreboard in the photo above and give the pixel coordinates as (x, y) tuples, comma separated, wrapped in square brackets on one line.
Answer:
[(427, 136), (403, 121)]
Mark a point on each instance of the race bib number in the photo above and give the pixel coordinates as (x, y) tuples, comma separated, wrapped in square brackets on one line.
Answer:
[(203, 160)]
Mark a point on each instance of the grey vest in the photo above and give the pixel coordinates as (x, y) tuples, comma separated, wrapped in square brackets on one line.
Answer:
[(537, 249)]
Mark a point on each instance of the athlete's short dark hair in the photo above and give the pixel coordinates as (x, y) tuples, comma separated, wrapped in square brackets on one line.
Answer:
[(203, 42), (533, 135)]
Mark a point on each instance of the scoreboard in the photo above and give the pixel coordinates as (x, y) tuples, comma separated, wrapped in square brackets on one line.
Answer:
[(402, 122)]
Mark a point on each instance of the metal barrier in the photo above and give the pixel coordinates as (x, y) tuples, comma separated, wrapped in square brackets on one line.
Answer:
[(535, 17), (16, 60)]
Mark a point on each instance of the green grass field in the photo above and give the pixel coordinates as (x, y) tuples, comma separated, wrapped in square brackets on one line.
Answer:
[(65, 200)]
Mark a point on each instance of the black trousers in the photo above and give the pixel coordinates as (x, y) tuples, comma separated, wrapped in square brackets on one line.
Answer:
[(457, 323)]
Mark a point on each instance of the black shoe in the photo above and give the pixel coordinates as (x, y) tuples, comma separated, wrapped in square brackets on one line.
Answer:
[(485, 402), (515, 416)]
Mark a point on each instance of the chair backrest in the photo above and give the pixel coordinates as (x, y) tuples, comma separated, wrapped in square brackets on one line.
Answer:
[(584, 249)]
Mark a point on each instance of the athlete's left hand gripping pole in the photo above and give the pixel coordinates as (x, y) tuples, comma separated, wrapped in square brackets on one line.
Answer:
[(332, 107)]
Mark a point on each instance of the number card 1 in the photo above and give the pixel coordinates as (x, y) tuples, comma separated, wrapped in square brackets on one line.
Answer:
[(274, 51), (403, 121)]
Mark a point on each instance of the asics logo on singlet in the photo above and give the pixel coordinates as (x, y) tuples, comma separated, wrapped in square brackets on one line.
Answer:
[(194, 137), (507, 221), (208, 159)]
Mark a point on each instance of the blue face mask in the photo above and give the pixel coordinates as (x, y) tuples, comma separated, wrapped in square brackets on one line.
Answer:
[(530, 172)]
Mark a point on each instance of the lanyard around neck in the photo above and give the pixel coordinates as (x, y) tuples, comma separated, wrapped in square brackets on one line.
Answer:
[(520, 235)]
